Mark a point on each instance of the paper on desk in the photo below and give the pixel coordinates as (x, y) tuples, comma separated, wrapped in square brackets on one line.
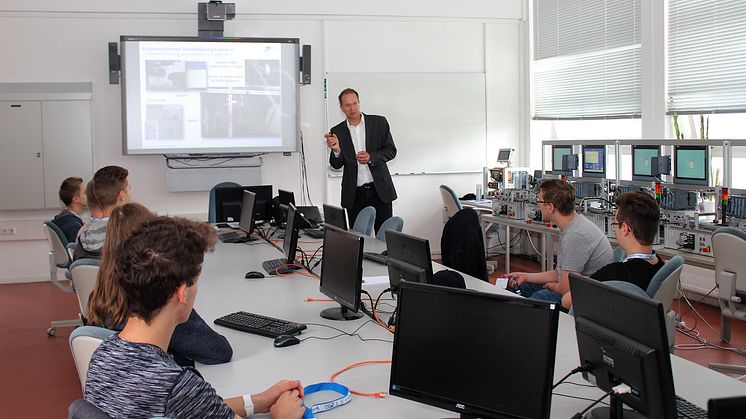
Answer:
[(375, 280), (501, 283)]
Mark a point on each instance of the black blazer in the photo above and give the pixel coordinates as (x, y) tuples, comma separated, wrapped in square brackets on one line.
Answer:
[(380, 146)]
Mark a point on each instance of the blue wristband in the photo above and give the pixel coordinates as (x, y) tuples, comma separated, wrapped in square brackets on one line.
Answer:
[(343, 391)]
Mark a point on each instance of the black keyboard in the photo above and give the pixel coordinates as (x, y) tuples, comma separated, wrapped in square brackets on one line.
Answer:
[(270, 266), (376, 257), (686, 409), (260, 325)]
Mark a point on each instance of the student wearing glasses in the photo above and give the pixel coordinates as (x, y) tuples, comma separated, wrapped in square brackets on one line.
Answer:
[(583, 247), (637, 218)]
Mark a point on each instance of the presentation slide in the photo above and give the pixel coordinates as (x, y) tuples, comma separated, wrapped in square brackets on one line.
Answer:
[(199, 96)]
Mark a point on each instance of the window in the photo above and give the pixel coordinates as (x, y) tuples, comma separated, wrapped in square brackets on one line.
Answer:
[(586, 59), (706, 63)]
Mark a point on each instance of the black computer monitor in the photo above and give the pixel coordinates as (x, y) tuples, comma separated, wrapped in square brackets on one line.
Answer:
[(228, 202), (290, 241), (642, 164), (622, 337), (409, 259), (246, 222), (335, 216), (449, 353), (557, 152), (309, 215), (342, 273), (691, 165), (285, 197), (594, 161)]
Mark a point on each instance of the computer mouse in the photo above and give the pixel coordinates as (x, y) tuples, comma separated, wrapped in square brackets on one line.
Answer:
[(286, 340), (254, 275)]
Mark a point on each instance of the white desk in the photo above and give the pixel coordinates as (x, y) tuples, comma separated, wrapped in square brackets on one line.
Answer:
[(548, 234), (257, 363)]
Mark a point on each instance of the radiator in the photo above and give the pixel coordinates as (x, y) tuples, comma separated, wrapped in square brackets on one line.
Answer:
[(698, 280)]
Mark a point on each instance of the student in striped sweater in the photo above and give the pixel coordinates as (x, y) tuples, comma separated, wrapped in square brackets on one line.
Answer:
[(130, 374)]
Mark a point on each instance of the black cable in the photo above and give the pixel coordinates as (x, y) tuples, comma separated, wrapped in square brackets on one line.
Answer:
[(343, 333), (584, 367), (579, 415)]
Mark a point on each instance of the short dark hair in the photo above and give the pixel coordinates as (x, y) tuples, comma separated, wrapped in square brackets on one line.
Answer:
[(640, 212), (69, 189), (559, 193), (345, 92), (157, 258), (106, 184)]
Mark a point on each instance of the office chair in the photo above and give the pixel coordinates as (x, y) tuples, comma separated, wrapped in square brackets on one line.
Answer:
[(211, 205), (84, 273), (83, 341), (451, 204), (82, 409), (728, 247), (662, 288), (364, 221), (394, 223), (462, 244), (59, 258)]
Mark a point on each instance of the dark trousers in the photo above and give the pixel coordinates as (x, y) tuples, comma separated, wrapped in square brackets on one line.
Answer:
[(366, 196)]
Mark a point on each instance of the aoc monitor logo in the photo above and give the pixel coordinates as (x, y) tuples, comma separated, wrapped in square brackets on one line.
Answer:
[(460, 406)]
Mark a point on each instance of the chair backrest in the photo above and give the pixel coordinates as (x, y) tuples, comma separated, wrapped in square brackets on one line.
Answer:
[(57, 244), (83, 341), (84, 273), (82, 409), (394, 223), (662, 287), (451, 204), (728, 248), (365, 220), (211, 205), (619, 254)]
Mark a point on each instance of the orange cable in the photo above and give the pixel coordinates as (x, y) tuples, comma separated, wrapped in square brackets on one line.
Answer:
[(378, 395)]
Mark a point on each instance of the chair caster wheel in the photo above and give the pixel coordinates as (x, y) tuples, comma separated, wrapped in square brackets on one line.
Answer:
[(51, 331)]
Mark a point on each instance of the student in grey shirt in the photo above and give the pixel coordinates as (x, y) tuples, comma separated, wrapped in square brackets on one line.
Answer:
[(583, 247)]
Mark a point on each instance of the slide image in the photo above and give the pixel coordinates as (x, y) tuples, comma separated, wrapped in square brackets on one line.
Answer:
[(164, 122), (165, 75)]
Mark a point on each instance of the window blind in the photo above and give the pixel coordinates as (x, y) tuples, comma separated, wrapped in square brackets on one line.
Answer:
[(586, 59), (706, 58)]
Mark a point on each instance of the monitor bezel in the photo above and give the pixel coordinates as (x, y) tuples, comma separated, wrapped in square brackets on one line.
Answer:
[(639, 177), (558, 164), (464, 408), (596, 174), (395, 242), (290, 241), (334, 211), (682, 180), (353, 306), (248, 197)]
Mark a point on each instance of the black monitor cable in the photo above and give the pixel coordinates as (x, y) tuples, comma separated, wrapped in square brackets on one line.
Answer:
[(582, 368), (579, 415)]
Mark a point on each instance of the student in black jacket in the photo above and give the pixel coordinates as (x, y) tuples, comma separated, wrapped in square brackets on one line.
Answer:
[(637, 217), (72, 194)]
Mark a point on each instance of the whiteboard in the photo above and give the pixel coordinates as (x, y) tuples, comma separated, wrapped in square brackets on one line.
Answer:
[(437, 120)]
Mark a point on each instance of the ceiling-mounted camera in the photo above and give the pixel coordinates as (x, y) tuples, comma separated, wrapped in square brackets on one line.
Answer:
[(211, 16)]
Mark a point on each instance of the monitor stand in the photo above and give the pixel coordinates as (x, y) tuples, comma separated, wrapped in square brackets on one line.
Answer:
[(614, 411), (340, 313), (465, 416)]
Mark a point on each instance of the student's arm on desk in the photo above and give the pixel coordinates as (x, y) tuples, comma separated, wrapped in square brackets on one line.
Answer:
[(533, 277), (561, 287), (284, 399)]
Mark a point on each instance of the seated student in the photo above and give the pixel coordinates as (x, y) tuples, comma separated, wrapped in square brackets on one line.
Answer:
[(192, 340), (583, 247), (637, 217), (72, 194), (108, 189), (130, 374)]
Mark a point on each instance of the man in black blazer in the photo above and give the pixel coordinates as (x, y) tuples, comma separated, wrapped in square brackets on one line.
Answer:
[(362, 144)]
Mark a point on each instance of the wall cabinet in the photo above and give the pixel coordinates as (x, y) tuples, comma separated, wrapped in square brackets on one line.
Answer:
[(45, 137)]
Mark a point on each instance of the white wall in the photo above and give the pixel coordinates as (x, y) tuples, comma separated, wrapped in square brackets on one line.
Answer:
[(387, 36)]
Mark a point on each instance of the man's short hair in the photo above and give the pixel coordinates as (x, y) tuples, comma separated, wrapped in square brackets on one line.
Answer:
[(559, 193), (103, 189), (69, 189), (157, 258), (640, 212), (347, 91)]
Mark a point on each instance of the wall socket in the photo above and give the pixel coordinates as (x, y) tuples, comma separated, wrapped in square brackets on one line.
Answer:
[(8, 231)]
